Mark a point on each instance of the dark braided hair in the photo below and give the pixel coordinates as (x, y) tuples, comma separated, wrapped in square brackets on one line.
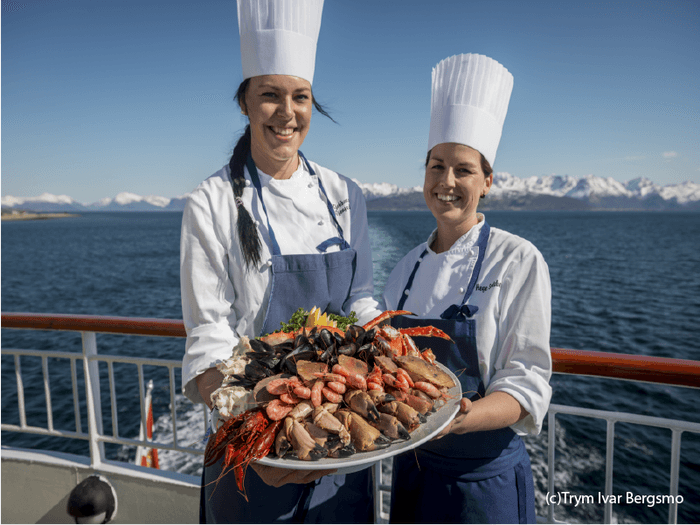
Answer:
[(247, 232)]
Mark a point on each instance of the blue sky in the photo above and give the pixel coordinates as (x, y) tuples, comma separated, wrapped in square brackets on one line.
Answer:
[(100, 97)]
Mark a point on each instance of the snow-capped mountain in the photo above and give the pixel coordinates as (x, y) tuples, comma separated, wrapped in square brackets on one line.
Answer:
[(44, 202), (589, 187), (550, 192), (124, 201), (375, 190)]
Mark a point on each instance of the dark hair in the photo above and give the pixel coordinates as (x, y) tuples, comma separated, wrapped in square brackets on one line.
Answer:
[(247, 232), (485, 165)]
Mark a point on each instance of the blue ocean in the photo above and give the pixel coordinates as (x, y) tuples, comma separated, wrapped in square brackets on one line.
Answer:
[(626, 282)]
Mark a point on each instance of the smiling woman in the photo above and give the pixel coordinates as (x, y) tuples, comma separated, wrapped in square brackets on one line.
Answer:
[(268, 234), (454, 183), (490, 292)]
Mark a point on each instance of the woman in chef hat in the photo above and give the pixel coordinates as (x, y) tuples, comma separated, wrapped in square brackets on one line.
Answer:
[(269, 233), (490, 291)]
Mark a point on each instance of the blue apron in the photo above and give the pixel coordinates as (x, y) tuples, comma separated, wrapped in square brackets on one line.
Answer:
[(478, 477), (302, 280)]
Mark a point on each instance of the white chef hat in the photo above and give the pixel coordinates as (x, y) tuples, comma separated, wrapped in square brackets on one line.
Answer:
[(278, 37), (469, 103)]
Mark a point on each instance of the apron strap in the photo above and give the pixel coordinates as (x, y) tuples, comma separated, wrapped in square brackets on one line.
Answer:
[(463, 310), (467, 310), (410, 280), (304, 502), (340, 239)]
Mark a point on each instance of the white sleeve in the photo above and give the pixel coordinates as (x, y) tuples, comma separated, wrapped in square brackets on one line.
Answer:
[(523, 365), (207, 293), (361, 298)]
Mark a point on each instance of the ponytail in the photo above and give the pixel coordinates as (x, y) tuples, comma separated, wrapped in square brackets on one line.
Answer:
[(247, 232)]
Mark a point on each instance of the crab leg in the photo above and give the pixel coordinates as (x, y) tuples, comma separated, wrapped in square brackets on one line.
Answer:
[(425, 331), (388, 314)]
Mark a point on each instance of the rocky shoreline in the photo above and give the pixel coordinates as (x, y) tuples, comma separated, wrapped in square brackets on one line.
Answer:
[(31, 216)]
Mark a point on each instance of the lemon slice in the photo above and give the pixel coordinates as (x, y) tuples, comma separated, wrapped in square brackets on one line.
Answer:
[(316, 318), (313, 316)]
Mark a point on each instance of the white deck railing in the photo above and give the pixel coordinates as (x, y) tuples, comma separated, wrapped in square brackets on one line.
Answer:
[(667, 371), (95, 435)]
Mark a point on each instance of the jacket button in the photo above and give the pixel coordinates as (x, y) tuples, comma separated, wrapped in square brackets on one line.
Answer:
[(462, 290), (405, 292)]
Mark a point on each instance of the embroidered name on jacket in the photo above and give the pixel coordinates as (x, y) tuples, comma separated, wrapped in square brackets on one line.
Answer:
[(341, 207), (486, 288)]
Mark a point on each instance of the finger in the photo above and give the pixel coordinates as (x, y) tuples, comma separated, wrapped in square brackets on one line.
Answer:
[(465, 405)]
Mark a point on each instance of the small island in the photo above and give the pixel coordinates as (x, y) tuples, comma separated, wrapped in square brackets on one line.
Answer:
[(22, 215)]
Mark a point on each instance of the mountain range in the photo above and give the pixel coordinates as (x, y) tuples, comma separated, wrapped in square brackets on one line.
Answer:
[(549, 192)]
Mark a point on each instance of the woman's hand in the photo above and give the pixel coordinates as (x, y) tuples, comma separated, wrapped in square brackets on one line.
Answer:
[(465, 405), (207, 382), (496, 410), (277, 477)]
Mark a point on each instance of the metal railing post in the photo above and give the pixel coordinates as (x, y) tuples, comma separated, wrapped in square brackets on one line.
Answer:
[(377, 482), (675, 465), (20, 393), (93, 399), (551, 446), (609, 453)]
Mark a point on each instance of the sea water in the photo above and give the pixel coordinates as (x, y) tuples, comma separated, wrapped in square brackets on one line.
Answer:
[(626, 282)]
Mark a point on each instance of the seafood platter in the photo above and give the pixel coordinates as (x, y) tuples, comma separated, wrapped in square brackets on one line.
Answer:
[(329, 395)]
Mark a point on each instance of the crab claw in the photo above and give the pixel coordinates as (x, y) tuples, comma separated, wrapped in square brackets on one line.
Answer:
[(388, 314)]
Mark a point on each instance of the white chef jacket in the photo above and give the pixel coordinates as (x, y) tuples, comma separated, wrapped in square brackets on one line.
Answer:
[(221, 299), (513, 293)]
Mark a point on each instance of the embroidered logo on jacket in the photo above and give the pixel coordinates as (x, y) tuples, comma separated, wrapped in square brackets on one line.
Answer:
[(487, 288), (341, 207)]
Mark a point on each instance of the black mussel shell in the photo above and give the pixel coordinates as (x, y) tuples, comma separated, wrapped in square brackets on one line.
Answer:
[(256, 371), (367, 337), (261, 346), (326, 338), (348, 349), (301, 339), (242, 381), (329, 355), (367, 352), (353, 332), (269, 361), (305, 352), (285, 347)]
